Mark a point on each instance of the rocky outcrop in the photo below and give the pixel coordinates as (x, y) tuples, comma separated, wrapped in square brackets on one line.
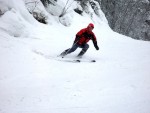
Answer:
[(128, 17)]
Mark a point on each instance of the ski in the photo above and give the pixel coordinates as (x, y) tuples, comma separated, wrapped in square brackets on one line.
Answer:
[(84, 60), (76, 60), (64, 59)]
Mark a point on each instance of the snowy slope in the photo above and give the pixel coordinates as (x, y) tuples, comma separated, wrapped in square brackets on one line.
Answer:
[(30, 82)]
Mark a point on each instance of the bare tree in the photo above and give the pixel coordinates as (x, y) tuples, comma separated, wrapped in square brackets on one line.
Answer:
[(38, 15), (46, 2)]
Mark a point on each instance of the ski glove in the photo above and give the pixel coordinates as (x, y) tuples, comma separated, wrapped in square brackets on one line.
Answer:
[(77, 37), (96, 46)]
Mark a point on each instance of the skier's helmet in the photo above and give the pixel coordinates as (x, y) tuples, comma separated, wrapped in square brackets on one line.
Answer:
[(91, 25)]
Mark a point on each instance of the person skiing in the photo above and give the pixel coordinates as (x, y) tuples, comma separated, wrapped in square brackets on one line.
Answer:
[(82, 37)]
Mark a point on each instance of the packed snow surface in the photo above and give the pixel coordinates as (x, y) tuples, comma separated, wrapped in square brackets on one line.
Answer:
[(32, 80)]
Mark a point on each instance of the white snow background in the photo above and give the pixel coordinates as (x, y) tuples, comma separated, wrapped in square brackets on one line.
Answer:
[(32, 81)]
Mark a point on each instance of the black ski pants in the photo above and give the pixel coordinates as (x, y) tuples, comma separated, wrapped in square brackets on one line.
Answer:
[(75, 46)]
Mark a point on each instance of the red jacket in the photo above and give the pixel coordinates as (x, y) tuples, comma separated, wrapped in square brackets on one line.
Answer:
[(84, 35)]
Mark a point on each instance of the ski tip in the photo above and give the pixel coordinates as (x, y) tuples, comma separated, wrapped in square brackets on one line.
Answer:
[(93, 60), (77, 60)]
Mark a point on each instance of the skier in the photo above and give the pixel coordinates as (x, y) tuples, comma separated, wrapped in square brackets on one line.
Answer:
[(82, 37)]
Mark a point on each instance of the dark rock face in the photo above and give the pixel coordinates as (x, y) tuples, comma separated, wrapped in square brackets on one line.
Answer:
[(128, 17)]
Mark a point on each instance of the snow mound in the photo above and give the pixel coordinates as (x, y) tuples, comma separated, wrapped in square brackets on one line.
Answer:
[(13, 23)]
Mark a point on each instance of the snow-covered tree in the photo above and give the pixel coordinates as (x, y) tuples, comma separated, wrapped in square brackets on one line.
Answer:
[(46, 2)]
